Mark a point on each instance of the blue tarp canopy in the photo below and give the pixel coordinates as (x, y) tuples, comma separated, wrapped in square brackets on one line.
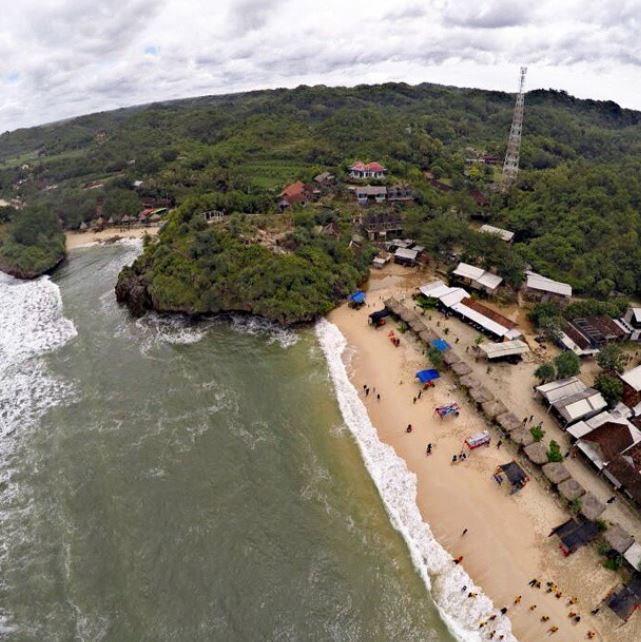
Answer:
[(427, 375), (357, 297), (440, 344)]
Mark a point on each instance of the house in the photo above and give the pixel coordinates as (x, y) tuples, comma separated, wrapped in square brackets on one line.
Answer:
[(380, 261), (607, 442), (405, 256), (368, 194), (632, 389), (631, 320), (324, 178), (598, 330), (624, 471), (295, 194), (379, 224), (505, 235), (510, 350), (540, 289), (572, 401), (572, 339), (478, 278), (400, 193), (362, 170), (486, 320)]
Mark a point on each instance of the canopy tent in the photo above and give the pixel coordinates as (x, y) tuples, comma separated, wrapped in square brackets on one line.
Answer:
[(618, 538), (508, 421), (515, 475), (481, 394), (570, 489), (461, 368), (376, 317), (425, 376), (556, 472), (450, 409), (440, 344), (357, 298), (537, 453), (591, 507), (493, 409), (627, 599), (574, 534), (450, 357), (469, 381)]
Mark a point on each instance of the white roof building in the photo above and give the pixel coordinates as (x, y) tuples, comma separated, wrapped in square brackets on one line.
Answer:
[(406, 255), (582, 404), (633, 555), (482, 279), (539, 282), (447, 295), (633, 378), (557, 390), (506, 235), (505, 349)]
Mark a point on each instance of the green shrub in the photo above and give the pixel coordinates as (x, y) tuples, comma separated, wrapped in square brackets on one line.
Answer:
[(554, 452), (537, 433)]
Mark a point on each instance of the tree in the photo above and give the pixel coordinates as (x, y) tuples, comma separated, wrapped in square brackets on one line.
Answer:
[(554, 452), (610, 358), (610, 387), (551, 328), (435, 356), (545, 372), (567, 365), (537, 433)]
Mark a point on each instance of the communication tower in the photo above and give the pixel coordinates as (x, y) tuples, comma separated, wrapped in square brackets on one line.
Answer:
[(511, 163)]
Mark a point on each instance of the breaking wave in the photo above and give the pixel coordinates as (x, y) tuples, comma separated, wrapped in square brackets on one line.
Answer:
[(397, 487), (257, 326)]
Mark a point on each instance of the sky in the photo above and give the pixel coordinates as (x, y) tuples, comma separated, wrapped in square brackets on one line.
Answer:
[(63, 58)]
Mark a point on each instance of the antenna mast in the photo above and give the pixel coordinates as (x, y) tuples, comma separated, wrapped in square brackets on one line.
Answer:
[(511, 163)]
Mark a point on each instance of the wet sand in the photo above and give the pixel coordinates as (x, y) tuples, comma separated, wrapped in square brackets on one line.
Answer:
[(88, 238), (507, 541)]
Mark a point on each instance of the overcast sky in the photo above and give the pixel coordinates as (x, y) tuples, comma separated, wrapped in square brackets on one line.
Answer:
[(61, 58)]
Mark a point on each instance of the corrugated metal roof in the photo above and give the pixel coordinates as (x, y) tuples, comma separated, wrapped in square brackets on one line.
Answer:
[(505, 349), (556, 390), (404, 253), (581, 404), (540, 282), (633, 378), (455, 295), (489, 280), (467, 271), (633, 555), (506, 235), (478, 318)]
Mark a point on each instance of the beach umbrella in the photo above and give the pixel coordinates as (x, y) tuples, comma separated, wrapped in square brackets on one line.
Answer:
[(425, 376), (591, 507), (556, 472), (440, 344), (537, 452), (570, 489)]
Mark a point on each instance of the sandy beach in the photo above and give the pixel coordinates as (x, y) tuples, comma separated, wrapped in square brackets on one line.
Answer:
[(506, 543), (110, 235)]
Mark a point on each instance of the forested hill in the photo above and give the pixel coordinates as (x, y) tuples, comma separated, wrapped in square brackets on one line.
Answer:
[(575, 209)]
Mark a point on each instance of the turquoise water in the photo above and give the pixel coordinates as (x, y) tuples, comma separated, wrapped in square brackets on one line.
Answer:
[(169, 482)]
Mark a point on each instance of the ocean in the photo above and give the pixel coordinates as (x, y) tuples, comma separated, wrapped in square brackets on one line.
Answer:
[(162, 480)]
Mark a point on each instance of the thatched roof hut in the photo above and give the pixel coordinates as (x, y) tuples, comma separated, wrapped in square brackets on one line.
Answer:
[(408, 315), (508, 421), (556, 472), (570, 489), (537, 452), (427, 336), (492, 409), (417, 325), (470, 381), (393, 305), (618, 538), (481, 394), (591, 507), (461, 368), (450, 357)]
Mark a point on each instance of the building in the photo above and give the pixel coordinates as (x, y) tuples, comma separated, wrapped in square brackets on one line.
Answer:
[(572, 339), (379, 224), (505, 235), (295, 194), (631, 320), (370, 194), (478, 278), (400, 193), (607, 442), (632, 390), (405, 256), (362, 170), (510, 350), (596, 330), (540, 289), (324, 178)]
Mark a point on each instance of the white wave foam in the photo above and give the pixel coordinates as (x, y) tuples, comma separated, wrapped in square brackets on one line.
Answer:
[(174, 329), (257, 326), (397, 487)]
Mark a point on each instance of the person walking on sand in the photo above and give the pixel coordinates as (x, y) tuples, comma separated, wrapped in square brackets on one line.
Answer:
[(378, 396), (463, 533), (414, 400), (428, 450), (517, 600), (504, 610), (409, 428), (367, 392), (532, 607), (553, 629), (458, 560), (499, 443)]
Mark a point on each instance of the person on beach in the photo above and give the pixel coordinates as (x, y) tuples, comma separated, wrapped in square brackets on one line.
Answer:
[(531, 417), (544, 618), (499, 443), (504, 610), (558, 595), (532, 607), (454, 459), (572, 600), (517, 600), (532, 582), (420, 392), (595, 611), (590, 635), (367, 392), (492, 617), (464, 588), (414, 400), (612, 499), (553, 629), (571, 614), (458, 560), (428, 450), (409, 428), (463, 533), (378, 396), (577, 619), (472, 594)]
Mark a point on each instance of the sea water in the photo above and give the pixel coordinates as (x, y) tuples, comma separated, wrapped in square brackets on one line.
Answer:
[(162, 480)]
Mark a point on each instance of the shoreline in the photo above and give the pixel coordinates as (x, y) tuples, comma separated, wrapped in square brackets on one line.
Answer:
[(74, 240), (507, 542)]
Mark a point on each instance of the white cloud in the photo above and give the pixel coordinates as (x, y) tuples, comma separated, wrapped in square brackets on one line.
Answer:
[(60, 58)]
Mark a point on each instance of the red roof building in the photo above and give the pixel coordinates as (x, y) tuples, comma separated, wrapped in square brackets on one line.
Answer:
[(367, 170)]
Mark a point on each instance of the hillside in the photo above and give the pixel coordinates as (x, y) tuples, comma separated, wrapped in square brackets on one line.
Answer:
[(575, 210)]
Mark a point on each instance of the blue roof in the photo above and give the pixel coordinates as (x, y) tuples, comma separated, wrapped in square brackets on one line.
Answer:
[(427, 375), (440, 344), (357, 297)]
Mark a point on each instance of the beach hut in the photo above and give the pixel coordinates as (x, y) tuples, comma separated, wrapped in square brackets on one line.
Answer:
[(618, 538), (470, 381), (570, 489), (508, 421), (556, 472), (408, 315), (537, 452), (356, 299), (591, 507), (418, 326), (481, 394), (450, 357), (492, 409), (627, 599), (575, 533), (515, 475), (426, 336), (461, 368)]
